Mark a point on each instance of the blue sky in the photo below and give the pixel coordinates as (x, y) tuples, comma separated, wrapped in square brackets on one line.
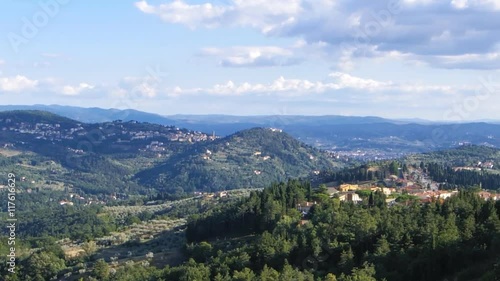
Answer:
[(436, 60)]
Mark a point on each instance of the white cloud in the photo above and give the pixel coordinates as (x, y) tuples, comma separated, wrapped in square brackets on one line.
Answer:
[(345, 80), (138, 87), (179, 12), (49, 87), (252, 56), (337, 82), (17, 84), (424, 30), (468, 61), (483, 4), (261, 14), (279, 85), (76, 90), (458, 4)]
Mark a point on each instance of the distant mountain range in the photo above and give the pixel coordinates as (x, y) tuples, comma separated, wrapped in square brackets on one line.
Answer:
[(373, 136), (94, 114)]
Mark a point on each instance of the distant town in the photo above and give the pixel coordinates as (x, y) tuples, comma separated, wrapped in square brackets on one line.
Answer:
[(112, 130)]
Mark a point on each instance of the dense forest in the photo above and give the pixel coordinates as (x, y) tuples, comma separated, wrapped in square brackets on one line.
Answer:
[(462, 178), (458, 238), (465, 155), (265, 237), (441, 166)]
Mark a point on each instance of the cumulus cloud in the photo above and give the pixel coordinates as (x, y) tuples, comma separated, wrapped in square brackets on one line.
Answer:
[(279, 85), (270, 14), (179, 12), (345, 80), (17, 83), (138, 87), (48, 86), (336, 82), (76, 90), (435, 32)]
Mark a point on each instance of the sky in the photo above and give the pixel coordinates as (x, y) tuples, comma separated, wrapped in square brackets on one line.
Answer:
[(435, 60)]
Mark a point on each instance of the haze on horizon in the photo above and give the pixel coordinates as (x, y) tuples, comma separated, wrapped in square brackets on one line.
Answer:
[(434, 60)]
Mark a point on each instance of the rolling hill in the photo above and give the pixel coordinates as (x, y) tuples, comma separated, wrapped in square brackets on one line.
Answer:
[(249, 158), (142, 158), (375, 136), (464, 156), (94, 114)]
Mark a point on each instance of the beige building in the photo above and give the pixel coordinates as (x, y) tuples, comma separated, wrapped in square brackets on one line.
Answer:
[(348, 187)]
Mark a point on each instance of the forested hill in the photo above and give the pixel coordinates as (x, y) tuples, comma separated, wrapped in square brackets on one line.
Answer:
[(250, 158), (455, 240), (466, 155), (34, 116), (54, 152), (370, 134)]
